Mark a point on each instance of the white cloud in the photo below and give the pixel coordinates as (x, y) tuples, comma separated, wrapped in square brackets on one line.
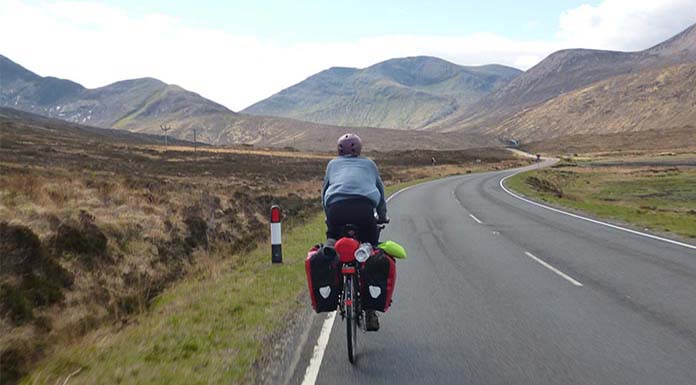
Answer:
[(625, 24), (96, 44)]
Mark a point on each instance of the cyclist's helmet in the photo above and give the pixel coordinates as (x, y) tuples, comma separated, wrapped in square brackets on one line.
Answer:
[(349, 145)]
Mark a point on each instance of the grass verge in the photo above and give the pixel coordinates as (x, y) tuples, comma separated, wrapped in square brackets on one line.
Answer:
[(656, 198), (201, 331)]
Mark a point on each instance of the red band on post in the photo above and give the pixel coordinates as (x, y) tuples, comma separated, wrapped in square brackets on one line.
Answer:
[(275, 214)]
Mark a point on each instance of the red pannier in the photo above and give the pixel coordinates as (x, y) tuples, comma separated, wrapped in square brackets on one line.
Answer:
[(323, 278), (378, 275)]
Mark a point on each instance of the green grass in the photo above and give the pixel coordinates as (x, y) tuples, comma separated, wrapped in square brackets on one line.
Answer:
[(660, 199), (123, 121), (201, 331)]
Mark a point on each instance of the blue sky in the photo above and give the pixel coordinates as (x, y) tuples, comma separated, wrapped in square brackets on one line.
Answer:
[(239, 52), (315, 20)]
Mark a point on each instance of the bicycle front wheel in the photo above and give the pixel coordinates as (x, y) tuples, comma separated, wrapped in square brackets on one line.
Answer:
[(351, 318)]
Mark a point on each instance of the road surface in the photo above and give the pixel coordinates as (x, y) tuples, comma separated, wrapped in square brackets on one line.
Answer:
[(497, 290)]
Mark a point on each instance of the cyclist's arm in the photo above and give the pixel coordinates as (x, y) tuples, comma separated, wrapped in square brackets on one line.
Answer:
[(325, 186), (382, 206)]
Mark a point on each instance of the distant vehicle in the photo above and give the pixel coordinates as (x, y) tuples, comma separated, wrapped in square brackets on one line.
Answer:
[(513, 143)]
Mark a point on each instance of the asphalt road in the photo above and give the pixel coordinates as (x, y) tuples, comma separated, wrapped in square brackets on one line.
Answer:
[(481, 303)]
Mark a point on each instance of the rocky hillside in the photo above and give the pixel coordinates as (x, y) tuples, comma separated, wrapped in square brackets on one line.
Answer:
[(657, 98), (60, 130), (114, 105), (566, 71), (142, 105), (282, 132), (402, 93)]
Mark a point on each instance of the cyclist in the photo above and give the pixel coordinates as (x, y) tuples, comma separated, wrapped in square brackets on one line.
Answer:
[(352, 192)]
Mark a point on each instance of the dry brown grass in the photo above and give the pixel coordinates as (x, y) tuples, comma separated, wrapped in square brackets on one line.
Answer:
[(149, 223), (206, 151), (625, 144)]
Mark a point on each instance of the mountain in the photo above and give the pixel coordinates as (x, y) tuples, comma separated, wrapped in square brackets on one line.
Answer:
[(143, 105), (407, 93), (114, 105), (565, 71), (644, 100)]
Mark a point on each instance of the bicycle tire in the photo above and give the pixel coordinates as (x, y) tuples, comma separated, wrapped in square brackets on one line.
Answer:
[(351, 319)]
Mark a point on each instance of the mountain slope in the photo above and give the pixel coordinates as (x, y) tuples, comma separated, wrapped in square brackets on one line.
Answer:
[(27, 126), (142, 105), (114, 105), (264, 131), (399, 93), (652, 99), (564, 71)]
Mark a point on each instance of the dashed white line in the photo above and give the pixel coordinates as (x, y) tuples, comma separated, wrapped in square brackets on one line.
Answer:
[(546, 265), (476, 219)]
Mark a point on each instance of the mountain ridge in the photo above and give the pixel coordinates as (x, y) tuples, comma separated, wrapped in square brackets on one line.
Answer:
[(565, 71), (414, 93), (659, 98), (103, 106), (409, 92), (143, 105)]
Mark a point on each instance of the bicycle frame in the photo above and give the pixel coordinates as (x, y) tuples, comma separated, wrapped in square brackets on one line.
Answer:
[(350, 306), (350, 271)]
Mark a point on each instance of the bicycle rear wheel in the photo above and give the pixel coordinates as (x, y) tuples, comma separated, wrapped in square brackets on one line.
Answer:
[(351, 318)]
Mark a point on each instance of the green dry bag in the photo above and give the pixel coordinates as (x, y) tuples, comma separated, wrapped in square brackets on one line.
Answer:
[(394, 249)]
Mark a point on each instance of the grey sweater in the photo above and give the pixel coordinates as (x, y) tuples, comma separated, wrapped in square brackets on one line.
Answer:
[(353, 176)]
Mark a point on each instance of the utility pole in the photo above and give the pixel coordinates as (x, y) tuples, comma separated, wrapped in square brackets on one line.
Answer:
[(165, 128), (194, 142)]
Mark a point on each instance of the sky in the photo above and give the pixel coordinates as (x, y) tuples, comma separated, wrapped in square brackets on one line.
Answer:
[(239, 52)]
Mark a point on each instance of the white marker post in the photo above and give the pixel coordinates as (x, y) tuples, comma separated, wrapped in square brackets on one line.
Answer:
[(276, 241)]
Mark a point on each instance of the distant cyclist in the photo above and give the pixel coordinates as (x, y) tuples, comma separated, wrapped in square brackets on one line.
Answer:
[(352, 192)]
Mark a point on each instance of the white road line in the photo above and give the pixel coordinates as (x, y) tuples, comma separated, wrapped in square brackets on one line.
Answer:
[(312, 372), (592, 220), (310, 377), (392, 196), (476, 219), (546, 265)]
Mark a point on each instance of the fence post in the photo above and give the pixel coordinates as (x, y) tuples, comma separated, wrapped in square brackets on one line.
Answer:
[(276, 239)]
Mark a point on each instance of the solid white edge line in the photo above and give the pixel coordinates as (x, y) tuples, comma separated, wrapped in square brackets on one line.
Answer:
[(476, 219), (312, 372), (546, 265), (392, 196), (590, 219)]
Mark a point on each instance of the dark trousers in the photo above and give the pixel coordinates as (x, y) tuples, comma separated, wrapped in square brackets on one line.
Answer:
[(359, 212)]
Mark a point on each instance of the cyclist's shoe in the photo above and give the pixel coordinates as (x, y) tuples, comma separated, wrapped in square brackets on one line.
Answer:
[(371, 321)]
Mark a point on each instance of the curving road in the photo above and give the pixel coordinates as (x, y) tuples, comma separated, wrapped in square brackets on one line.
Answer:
[(497, 290)]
